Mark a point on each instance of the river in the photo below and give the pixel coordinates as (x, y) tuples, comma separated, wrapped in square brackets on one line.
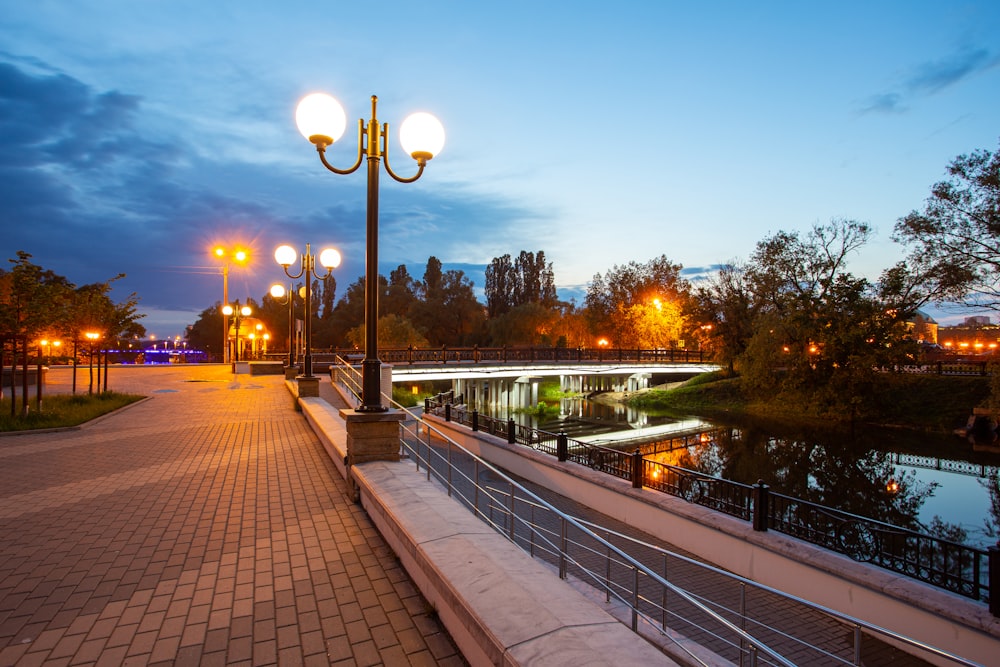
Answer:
[(942, 484)]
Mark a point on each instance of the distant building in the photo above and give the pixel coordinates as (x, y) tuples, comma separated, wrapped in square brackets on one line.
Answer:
[(977, 335), (923, 327)]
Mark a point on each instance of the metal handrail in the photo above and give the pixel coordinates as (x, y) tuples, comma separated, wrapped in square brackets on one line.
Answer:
[(749, 645), (963, 569)]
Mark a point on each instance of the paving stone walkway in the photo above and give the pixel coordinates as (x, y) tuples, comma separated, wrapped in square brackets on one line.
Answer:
[(202, 526)]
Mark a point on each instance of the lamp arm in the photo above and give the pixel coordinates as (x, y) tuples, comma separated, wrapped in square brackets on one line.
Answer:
[(297, 275), (385, 156), (321, 149)]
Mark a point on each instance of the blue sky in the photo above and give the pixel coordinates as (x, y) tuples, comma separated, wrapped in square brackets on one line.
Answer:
[(135, 134)]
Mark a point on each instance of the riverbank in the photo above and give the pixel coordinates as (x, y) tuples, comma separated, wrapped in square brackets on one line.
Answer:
[(933, 403)]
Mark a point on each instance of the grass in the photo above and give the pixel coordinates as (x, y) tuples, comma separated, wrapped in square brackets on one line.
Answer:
[(923, 402), (62, 410)]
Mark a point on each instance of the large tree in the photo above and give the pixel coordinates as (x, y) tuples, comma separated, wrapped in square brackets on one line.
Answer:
[(955, 239), (618, 303), (820, 334)]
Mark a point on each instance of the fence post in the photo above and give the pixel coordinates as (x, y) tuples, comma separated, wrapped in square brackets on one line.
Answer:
[(562, 446), (994, 574), (761, 496), (447, 412), (475, 420), (637, 469), (511, 432)]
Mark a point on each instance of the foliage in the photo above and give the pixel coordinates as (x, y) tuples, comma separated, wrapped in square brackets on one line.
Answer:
[(955, 240), (393, 331), (528, 279), (65, 410), (37, 302), (611, 299), (924, 402), (818, 332)]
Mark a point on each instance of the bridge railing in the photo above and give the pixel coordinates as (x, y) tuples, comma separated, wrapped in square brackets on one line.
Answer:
[(501, 355), (962, 569)]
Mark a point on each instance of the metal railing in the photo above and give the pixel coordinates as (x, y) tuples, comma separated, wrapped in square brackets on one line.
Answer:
[(736, 618), (959, 568)]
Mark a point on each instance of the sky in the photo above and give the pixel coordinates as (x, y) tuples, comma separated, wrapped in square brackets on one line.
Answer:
[(137, 134)]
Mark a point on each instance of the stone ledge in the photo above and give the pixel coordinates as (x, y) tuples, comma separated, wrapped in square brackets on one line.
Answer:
[(501, 606)]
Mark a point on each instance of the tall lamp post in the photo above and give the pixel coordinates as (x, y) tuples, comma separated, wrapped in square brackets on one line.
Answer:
[(239, 256), (321, 120), (278, 292), (329, 258)]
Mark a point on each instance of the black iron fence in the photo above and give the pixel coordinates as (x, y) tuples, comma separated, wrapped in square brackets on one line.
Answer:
[(962, 569)]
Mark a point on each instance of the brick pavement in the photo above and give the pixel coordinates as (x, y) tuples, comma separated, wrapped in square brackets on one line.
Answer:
[(203, 526)]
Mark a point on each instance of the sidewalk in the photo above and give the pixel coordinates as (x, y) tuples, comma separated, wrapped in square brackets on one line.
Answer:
[(202, 526)]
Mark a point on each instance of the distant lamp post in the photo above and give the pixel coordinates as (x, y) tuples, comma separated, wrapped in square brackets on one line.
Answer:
[(278, 292), (329, 258), (236, 312), (321, 120), (226, 255), (92, 337)]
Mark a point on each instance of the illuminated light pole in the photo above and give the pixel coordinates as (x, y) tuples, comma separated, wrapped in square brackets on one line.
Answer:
[(329, 258), (278, 292), (92, 337), (321, 120), (236, 312), (239, 256)]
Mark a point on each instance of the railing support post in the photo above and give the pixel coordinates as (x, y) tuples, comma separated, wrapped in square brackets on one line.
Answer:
[(447, 412), (637, 469), (994, 573), (761, 496), (511, 432), (562, 446), (475, 420)]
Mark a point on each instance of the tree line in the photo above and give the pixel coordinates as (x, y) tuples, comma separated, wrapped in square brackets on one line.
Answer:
[(37, 303)]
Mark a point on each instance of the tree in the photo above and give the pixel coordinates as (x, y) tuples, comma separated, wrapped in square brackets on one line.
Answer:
[(955, 240), (820, 334), (724, 311), (447, 312), (611, 298), (393, 331), (528, 279), (33, 300)]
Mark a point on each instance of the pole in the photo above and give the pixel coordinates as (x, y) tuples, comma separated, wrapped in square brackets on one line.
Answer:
[(291, 325), (307, 271), (371, 367), (225, 320)]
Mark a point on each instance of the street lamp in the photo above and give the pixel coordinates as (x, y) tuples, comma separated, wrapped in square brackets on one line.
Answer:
[(240, 256), (329, 258), (321, 120), (92, 336), (236, 312), (278, 292)]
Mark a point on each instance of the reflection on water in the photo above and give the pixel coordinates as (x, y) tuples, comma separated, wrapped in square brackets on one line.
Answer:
[(932, 483)]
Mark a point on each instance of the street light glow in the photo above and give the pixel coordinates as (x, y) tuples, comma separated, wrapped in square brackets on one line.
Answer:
[(320, 115)]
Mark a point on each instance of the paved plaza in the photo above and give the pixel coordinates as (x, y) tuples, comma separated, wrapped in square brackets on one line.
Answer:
[(204, 525)]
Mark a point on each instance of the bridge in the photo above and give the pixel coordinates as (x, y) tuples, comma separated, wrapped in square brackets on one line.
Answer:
[(509, 376)]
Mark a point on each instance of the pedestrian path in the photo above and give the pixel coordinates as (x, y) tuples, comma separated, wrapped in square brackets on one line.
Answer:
[(202, 526)]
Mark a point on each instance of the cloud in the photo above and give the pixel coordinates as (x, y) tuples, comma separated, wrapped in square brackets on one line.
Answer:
[(930, 78)]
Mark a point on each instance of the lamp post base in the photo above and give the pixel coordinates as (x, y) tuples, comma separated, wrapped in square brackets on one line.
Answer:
[(371, 436), (308, 386)]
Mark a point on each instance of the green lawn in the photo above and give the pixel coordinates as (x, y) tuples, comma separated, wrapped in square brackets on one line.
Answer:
[(61, 410)]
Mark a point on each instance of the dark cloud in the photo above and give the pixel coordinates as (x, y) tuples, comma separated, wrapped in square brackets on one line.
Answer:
[(85, 190), (930, 78)]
